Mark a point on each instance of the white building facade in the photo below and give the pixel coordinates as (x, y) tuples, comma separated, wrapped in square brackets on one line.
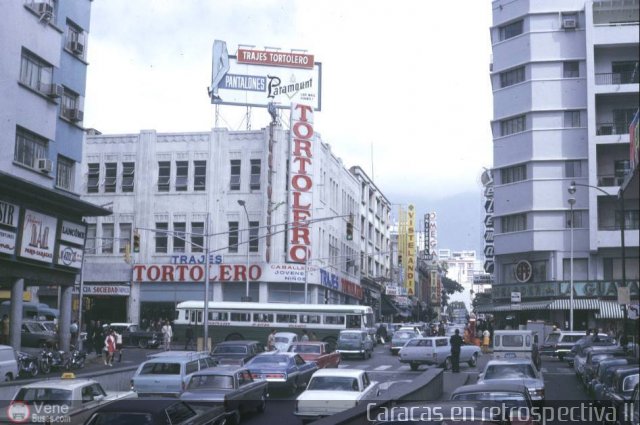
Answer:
[(565, 88), (186, 193), (462, 266)]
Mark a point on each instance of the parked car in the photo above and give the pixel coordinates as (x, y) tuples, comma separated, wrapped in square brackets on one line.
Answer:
[(594, 358), (559, 343), (604, 376), (518, 370), (157, 412), (8, 363), (166, 374), (287, 371), (400, 338), (333, 390), (355, 343), (621, 390), (587, 341), (436, 350), (229, 386), (35, 335), (439, 412), (317, 351), (284, 339), (511, 344), (132, 335), (236, 352), (513, 396), (580, 360), (81, 397)]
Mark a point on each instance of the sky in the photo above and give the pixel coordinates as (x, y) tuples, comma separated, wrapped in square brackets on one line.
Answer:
[(406, 93)]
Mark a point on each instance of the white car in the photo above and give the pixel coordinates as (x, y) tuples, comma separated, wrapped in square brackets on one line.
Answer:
[(333, 390), (284, 339), (518, 370)]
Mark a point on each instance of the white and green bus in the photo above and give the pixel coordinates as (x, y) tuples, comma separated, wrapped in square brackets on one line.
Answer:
[(254, 321)]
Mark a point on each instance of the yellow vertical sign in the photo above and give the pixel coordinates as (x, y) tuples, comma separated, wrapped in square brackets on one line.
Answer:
[(402, 244), (410, 263)]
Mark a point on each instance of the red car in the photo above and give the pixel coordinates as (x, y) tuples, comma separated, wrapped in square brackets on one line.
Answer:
[(316, 351)]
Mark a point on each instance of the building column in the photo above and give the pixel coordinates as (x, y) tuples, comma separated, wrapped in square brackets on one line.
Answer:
[(217, 292), (263, 292), (15, 315), (64, 320), (133, 306)]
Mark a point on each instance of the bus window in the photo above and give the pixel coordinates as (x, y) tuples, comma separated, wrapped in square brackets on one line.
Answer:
[(240, 317), (186, 315), (310, 318), (262, 317), (199, 317), (286, 318), (333, 319), (368, 320), (216, 315), (354, 321), (193, 317)]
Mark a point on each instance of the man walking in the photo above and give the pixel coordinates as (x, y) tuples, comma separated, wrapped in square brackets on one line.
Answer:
[(456, 343), (167, 333), (188, 337)]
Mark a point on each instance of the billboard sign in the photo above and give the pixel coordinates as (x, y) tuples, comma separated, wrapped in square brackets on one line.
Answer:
[(260, 77), (38, 236)]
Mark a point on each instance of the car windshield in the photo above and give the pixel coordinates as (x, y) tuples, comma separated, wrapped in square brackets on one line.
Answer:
[(160, 369), (45, 395), (333, 383), (512, 340), (270, 360), (305, 349), (230, 349), (349, 336), (35, 327), (509, 371), (404, 335), (553, 338), (115, 418), (284, 339), (630, 382), (210, 382)]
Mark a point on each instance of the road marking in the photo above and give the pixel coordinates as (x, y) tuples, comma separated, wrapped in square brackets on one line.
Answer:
[(383, 367)]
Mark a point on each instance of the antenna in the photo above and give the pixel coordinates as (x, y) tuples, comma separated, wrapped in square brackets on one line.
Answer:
[(372, 178)]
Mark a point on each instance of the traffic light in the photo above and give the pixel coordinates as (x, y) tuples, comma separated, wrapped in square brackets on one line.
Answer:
[(136, 241), (350, 228)]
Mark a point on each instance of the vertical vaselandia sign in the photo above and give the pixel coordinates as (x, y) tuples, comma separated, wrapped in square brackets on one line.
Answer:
[(300, 183)]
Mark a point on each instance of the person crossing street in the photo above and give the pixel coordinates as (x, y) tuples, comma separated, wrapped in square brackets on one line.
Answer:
[(456, 342)]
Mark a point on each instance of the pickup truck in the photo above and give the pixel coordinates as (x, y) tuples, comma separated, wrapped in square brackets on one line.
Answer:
[(316, 351), (132, 335), (436, 351), (68, 397)]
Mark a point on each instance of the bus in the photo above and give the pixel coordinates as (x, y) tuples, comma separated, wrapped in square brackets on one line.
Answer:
[(254, 321)]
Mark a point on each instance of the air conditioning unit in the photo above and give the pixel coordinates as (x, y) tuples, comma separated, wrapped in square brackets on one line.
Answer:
[(44, 165), (77, 47), (54, 90), (44, 8), (75, 114), (569, 23)]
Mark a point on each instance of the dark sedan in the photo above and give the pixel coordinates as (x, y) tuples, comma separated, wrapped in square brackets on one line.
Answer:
[(132, 335), (282, 370), (439, 412), (34, 334), (228, 386), (604, 375), (236, 352), (156, 412), (625, 380)]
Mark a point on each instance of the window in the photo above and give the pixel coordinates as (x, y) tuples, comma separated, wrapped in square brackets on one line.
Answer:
[(182, 175), (128, 174), (75, 39), (110, 176), (514, 223), (254, 242), (580, 219), (511, 30), (161, 237), (513, 174), (621, 120), (199, 175), (571, 69), (621, 167), (240, 317), (93, 178), (254, 183), (70, 106), (571, 119), (235, 175), (625, 72), (334, 320), (179, 237), (90, 244), (164, 176), (286, 318), (29, 148), (64, 173), (511, 77), (573, 169), (35, 73), (107, 238), (197, 238), (233, 236), (124, 239), (512, 125)]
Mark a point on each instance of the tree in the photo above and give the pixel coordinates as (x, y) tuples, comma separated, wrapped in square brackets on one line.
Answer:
[(481, 298), (451, 286)]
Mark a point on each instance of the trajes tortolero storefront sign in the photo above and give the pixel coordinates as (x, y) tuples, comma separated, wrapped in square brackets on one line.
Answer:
[(195, 272)]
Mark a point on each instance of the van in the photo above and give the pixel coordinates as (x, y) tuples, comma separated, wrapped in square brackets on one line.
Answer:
[(8, 363), (559, 343), (511, 344), (31, 311)]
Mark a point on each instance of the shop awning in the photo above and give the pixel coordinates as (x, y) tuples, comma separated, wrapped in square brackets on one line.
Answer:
[(610, 310), (526, 306), (388, 308), (578, 304)]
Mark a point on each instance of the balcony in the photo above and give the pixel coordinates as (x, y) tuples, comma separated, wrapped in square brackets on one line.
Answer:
[(615, 12), (632, 77), (610, 129), (610, 181)]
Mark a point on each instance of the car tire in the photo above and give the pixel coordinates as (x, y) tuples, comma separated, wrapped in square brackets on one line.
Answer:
[(44, 367), (414, 366), (143, 343), (447, 363), (262, 405), (234, 418), (294, 387), (473, 361), (8, 377), (561, 357)]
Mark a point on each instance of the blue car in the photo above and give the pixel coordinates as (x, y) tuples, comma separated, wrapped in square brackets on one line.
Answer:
[(287, 371)]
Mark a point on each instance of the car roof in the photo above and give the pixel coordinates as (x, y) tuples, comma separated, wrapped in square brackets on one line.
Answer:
[(517, 360), (221, 370), (309, 343), (491, 386), (277, 353), (143, 405), (118, 324), (191, 355), (238, 342), (67, 384), (286, 334), (350, 373)]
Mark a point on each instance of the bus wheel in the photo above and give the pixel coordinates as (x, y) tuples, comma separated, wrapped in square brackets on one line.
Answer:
[(332, 343), (234, 337)]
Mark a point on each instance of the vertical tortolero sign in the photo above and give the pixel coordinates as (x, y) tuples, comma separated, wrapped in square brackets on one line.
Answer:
[(300, 182)]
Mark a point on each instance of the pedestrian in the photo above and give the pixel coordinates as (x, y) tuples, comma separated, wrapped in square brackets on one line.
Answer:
[(167, 334), (624, 342), (305, 336), (74, 332), (98, 339), (312, 336), (6, 326), (118, 338), (109, 347), (188, 336), (485, 341), (456, 343), (381, 333), (441, 330), (271, 340)]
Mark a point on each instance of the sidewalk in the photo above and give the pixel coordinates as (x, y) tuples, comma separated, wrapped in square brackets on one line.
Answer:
[(453, 381)]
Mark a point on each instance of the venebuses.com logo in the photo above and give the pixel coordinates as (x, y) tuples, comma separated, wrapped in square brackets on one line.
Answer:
[(18, 412)]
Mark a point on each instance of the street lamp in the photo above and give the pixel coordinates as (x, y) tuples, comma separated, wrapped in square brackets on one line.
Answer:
[(572, 201), (244, 205)]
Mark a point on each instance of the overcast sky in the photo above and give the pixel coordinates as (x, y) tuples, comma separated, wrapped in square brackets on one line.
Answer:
[(404, 82)]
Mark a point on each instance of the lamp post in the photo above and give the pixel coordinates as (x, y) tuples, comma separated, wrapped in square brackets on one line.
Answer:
[(243, 204), (572, 201)]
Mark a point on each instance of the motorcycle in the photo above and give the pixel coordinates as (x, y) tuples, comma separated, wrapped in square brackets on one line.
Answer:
[(77, 359), (27, 365), (52, 359)]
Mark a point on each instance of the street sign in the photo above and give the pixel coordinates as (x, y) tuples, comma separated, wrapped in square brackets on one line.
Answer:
[(624, 296), (515, 297)]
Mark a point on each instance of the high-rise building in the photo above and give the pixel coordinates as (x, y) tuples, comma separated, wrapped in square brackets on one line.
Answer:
[(565, 89)]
